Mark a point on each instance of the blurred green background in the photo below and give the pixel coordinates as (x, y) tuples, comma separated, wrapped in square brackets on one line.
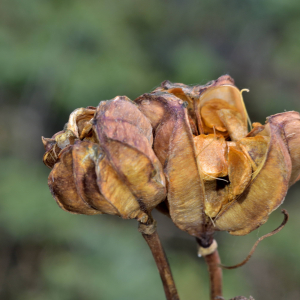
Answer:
[(56, 56)]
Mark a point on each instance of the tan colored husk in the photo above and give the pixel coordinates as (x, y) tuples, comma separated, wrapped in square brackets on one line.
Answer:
[(265, 193), (290, 123), (119, 157), (200, 204), (118, 174), (174, 146)]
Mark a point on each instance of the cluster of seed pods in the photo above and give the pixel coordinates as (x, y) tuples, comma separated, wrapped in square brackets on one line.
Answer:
[(187, 148)]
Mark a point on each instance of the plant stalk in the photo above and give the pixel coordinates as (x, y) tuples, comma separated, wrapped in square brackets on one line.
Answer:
[(215, 274), (162, 264)]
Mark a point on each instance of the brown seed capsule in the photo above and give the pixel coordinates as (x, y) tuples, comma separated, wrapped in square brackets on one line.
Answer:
[(289, 122), (104, 162), (219, 176), (216, 107), (268, 187)]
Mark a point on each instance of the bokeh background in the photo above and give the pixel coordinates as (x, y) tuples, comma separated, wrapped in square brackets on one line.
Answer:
[(56, 56)]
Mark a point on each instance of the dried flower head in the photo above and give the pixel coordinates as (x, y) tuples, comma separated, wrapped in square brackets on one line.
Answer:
[(220, 177), (103, 162)]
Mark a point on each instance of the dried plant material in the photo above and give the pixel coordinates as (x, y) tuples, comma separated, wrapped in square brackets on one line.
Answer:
[(184, 150), (174, 146), (233, 123), (128, 144), (210, 113), (219, 176), (210, 153), (86, 156), (290, 124), (195, 165), (79, 118), (265, 193), (62, 186), (225, 90), (240, 177), (216, 195), (196, 97), (239, 172), (112, 188), (118, 174), (255, 148), (55, 145), (208, 250)]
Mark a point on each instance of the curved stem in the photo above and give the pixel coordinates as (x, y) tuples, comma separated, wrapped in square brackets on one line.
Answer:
[(162, 264), (215, 274)]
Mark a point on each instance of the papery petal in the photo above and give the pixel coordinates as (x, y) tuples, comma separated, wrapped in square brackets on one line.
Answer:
[(255, 148), (209, 113), (62, 186), (210, 154), (290, 123), (173, 144), (239, 172), (265, 193), (54, 146), (126, 136), (78, 119), (116, 191), (233, 122), (216, 195), (85, 155)]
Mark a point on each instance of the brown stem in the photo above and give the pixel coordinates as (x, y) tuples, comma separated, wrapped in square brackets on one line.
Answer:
[(215, 275), (162, 264)]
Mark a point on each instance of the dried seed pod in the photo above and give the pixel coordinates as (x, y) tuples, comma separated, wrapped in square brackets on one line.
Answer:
[(219, 176), (175, 148), (109, 167), (290, 124), (266, 192), (216, 107)]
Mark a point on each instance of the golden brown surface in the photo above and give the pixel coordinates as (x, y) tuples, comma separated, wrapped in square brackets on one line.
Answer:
[(188, 145), (63, 188), (290, 122), (174, 146), (266, 192)]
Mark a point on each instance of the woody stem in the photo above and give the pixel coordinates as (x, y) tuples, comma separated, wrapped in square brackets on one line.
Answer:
[(215, 274), (162, 264), (208, 248)]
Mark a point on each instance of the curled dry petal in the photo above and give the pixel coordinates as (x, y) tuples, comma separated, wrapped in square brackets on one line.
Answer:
[(239, 172), (55, 145), (210, 153), (79, 118), (290, 124), (265, 193), (63, 188), (175, 148), (110, 166), (216, 107), (126, 136), (220, 177), (114, 159)]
